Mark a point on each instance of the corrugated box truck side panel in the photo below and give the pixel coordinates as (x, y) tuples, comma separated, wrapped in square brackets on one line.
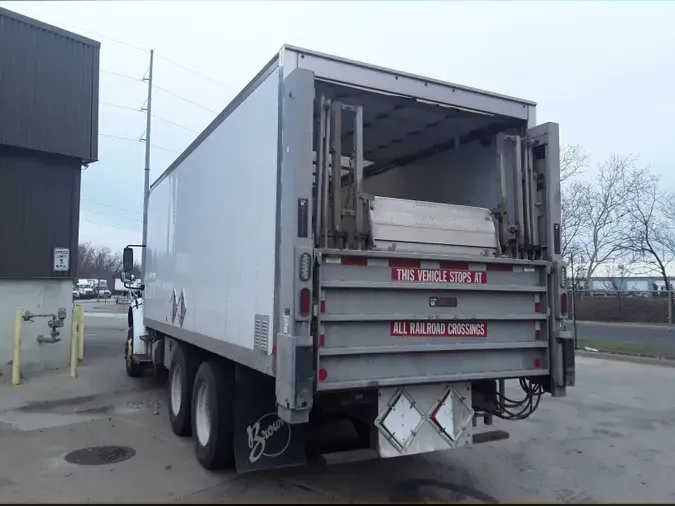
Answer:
[(212, 233)]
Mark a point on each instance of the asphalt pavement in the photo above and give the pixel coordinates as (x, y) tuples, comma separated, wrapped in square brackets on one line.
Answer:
[(609, 440), (656, 335)]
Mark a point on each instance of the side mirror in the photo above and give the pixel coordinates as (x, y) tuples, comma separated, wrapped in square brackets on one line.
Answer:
[(125, 277), (128, 260)]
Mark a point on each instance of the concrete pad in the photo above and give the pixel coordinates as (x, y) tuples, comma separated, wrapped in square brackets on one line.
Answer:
[(109, 314)]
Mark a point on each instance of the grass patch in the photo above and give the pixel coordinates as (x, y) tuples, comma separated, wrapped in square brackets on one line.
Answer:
[(646, 324), (628, 348)]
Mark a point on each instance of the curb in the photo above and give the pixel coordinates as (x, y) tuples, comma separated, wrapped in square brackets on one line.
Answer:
[(663, 362)]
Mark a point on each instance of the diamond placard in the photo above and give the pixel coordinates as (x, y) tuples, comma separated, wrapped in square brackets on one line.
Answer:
[(451, 414), (401, 420)]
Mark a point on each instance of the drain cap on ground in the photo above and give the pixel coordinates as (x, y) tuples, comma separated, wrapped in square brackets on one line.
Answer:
[(100, 455)]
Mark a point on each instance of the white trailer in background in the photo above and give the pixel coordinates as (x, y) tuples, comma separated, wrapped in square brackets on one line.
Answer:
[(123, 290), (86, 288), (347, 242)]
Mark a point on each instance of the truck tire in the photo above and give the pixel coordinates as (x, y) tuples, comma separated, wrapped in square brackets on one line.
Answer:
[(133, 370), (213, 414), (184, 365)]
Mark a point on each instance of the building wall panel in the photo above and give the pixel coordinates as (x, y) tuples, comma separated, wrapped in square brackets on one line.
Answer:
[(39, 205), (48, 88)]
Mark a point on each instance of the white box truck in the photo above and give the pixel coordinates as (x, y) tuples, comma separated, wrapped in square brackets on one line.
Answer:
[(86, 288), (347, 244), (123, 289)]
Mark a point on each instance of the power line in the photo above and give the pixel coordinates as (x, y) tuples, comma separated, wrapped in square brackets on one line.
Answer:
[(133, 46), (111, 226), (110, 206), (121, 75), (127, 108), (121, 106), (195, 72), (131, 139), (120, 137), (175, 124), (113, 215), (165, 149), (185, 99), (98, 34)]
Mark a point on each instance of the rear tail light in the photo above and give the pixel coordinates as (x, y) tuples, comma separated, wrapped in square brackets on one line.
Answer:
[(563, 303), (305, 301)]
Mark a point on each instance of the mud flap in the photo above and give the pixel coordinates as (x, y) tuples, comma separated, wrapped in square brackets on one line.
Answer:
[(262, 440), (569, 365)]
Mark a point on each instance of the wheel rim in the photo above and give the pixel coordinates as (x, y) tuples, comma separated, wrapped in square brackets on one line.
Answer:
[(203, 415), (176, 389)]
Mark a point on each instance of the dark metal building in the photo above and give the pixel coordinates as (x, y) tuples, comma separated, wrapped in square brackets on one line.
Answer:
[(48, 131)]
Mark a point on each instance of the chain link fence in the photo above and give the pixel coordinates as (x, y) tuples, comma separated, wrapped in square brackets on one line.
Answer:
[(626, 307)]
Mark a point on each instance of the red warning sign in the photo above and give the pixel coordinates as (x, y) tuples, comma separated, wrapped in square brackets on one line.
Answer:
[(438, 276), (438, 329)]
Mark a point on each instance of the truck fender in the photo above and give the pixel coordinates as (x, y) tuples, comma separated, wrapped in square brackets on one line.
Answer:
[(136, 320)]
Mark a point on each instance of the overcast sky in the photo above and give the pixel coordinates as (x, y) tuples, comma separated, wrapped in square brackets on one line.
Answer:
[(604, 70)]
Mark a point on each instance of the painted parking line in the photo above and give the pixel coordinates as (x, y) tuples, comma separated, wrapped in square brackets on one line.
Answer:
[(106, 315)]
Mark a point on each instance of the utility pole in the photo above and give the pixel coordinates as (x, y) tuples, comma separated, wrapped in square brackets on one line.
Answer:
[(574, 302), (146, 184)]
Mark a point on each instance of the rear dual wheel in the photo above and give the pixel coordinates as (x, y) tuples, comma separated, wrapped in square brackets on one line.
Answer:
[(213, 414), (184, 365), (201, 403)]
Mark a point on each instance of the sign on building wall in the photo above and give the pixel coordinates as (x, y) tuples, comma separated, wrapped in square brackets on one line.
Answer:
[(61, 259)]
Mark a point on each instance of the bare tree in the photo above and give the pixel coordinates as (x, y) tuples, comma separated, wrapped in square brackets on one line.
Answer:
[(602, 210), (667, 209), (85, 258), (618, 275), (578, 268), (573, 162), (649, 229), (99, 262), (573, 198)]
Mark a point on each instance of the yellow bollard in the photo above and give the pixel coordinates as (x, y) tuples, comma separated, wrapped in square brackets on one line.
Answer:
[(16, 363), (80, 332), (74, 344)]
